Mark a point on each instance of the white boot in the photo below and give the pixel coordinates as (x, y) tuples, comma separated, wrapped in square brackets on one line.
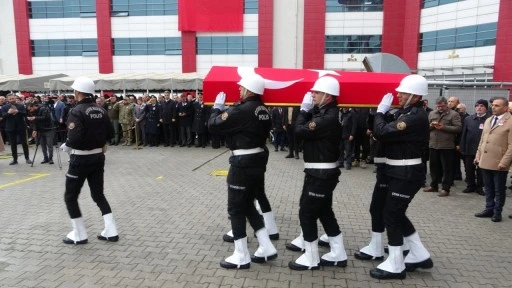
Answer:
[(393, 267), (266, 250), (241, 259), (323, 241), (309, 260), (337, 256), (228, 237), (374, 250), (110, 231), (270, 224), (79, 233), (418, 256), (297, 244)]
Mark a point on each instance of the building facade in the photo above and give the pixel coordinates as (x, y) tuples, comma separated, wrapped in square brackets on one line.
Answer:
[(443, 39)]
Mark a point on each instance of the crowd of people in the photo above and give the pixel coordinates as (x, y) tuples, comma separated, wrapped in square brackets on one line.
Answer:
[(400, 142)]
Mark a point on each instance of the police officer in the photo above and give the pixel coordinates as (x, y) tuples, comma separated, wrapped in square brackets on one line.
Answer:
[(317, 124), (246, 126), (403, 139), (89, 128)]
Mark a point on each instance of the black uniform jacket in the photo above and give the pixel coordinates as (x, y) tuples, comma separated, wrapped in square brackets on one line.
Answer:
[(404, 138), (246, 125), (321, 132), (88, 125)]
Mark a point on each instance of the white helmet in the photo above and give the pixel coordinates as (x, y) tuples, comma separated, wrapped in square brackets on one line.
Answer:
[(413, 84), (84, 85), (253, 83), (327, 84)]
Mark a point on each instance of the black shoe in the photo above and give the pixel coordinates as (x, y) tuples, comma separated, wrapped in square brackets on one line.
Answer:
[(293, 247), (257, 259), (480, 192), (45, 161), (484, 214), (381, 274), (468, 190), (182, 145), (69, 241), (365, 257), (228, 238), (298, 267), (496, 218), (273, 236), (348, 168), (227, 265), (28, 161), (289, 156), (324, 262), (109, 239), (322, 243), (275, 150), (14, 162), (50, 162), (510, 216), (283, 149), (425, 264), (166, 145), (297, 156)]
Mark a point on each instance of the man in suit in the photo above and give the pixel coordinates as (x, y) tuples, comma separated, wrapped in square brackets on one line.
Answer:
[(493, 156), (168, 117), (277, 128), (348, 126), (289, 119), (16, 128)]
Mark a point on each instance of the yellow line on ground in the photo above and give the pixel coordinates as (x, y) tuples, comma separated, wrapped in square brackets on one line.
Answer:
[(33, 177)]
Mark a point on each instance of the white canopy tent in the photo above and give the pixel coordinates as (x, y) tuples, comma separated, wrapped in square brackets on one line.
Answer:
[(136, 81), (20, 82)]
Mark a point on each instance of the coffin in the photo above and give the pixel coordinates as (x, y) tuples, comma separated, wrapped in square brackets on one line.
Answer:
[(286, 87)]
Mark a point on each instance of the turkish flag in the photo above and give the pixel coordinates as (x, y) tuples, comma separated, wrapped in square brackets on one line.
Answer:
[(286, 87), (211, 15)]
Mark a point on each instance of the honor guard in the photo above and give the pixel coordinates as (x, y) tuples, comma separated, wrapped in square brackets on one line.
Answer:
[(404, 140), (246, 126), (318, 126), (89, 129)]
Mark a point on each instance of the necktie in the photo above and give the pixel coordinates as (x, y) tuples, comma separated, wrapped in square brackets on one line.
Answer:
[(494, 121)]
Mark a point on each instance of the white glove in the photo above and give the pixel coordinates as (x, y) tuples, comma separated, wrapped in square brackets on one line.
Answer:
[(219, 101), (65, 148), (307, 102), (385, 103)]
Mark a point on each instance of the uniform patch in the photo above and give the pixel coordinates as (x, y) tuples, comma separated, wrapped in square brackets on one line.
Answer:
[(312, 125), (401, 125), (71, 125), (224, 116)]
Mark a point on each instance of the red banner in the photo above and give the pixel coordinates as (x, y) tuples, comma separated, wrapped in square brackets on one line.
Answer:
[(286, 87), (211, 16)]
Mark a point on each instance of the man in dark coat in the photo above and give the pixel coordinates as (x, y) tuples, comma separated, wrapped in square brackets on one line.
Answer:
[(349, 126), (168, 116), (200, 124), (289, 120), (186, 116), (470, 137), (277, 128), (15, 127)]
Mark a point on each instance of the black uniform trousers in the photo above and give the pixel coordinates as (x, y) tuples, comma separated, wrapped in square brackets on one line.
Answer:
[(13, 140), (316, 204), (400, 194), (474, 179), (293, 146), (441, 164), (244, 184), (168, 135), (380, 193), (81, 167)]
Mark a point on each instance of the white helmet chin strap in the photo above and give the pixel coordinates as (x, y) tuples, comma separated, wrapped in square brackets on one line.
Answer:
[(322, 100), (408, 100), (244, 95)]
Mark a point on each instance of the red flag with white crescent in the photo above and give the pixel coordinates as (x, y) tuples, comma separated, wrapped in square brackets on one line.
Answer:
[(286, 87)]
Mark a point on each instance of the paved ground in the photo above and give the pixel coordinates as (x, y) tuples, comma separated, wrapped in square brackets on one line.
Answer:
[(171, 215)]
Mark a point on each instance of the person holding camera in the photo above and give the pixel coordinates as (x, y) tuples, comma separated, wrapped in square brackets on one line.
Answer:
[(42, 129)]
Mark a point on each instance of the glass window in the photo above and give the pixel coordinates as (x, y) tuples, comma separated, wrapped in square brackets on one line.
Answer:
[(346, 44), (462, 37), (123, 8), (250, 6), (434, 3), (62, 9), (354, 5), (63, 47), (147, 46), (220, 45)]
